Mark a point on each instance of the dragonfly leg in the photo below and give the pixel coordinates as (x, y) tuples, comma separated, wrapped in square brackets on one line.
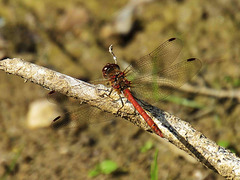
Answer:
[(121, 103), (110, 92)]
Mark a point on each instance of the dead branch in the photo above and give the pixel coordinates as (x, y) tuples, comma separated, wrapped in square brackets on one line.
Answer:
[(211, 92), (175, 130)]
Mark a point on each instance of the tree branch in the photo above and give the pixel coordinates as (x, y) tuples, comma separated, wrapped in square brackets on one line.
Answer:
[(212, 92), (175, 130)]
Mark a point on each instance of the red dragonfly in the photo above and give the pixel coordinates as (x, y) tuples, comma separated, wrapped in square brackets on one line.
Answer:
[(150, 75)]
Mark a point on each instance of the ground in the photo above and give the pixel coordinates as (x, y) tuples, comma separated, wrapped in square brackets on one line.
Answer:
[(72, 37)]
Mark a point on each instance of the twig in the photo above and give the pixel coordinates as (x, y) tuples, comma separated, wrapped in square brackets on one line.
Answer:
[(212, 92), (175, 130)]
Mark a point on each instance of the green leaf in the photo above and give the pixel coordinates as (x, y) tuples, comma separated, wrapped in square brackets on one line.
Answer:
[(105, 167), (13, 163), (147, 146), (94, 172), (236, 83), (223, 143), (154, 167), (108, 166), (228, 79)]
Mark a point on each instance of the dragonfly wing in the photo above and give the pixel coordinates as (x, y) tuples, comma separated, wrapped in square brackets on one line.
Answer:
[(82, 116), (76, 113), (162, 57), (163, 83)]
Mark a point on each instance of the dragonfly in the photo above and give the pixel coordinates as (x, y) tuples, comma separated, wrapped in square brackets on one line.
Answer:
[(154, 74)]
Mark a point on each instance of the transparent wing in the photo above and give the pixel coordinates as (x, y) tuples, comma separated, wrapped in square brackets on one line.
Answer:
[(85, 115), (76, 114), (160, 85), (161, 58)]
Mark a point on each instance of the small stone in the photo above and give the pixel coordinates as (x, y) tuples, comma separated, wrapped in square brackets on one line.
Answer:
[(41, 114)]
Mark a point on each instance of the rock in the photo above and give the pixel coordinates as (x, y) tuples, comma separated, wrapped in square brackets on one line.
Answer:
[(41, 114)]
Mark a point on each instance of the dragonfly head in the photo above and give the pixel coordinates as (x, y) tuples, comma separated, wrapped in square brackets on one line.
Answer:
[(110, 70)]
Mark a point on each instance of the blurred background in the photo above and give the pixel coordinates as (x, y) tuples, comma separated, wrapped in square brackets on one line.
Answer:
[(72, 37)]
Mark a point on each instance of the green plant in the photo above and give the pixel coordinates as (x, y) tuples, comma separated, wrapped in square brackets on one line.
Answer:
[(154, 167), (147, 146), (105, 167)]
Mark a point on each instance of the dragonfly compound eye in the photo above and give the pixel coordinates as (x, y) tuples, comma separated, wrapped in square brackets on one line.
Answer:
[(109, 70)]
